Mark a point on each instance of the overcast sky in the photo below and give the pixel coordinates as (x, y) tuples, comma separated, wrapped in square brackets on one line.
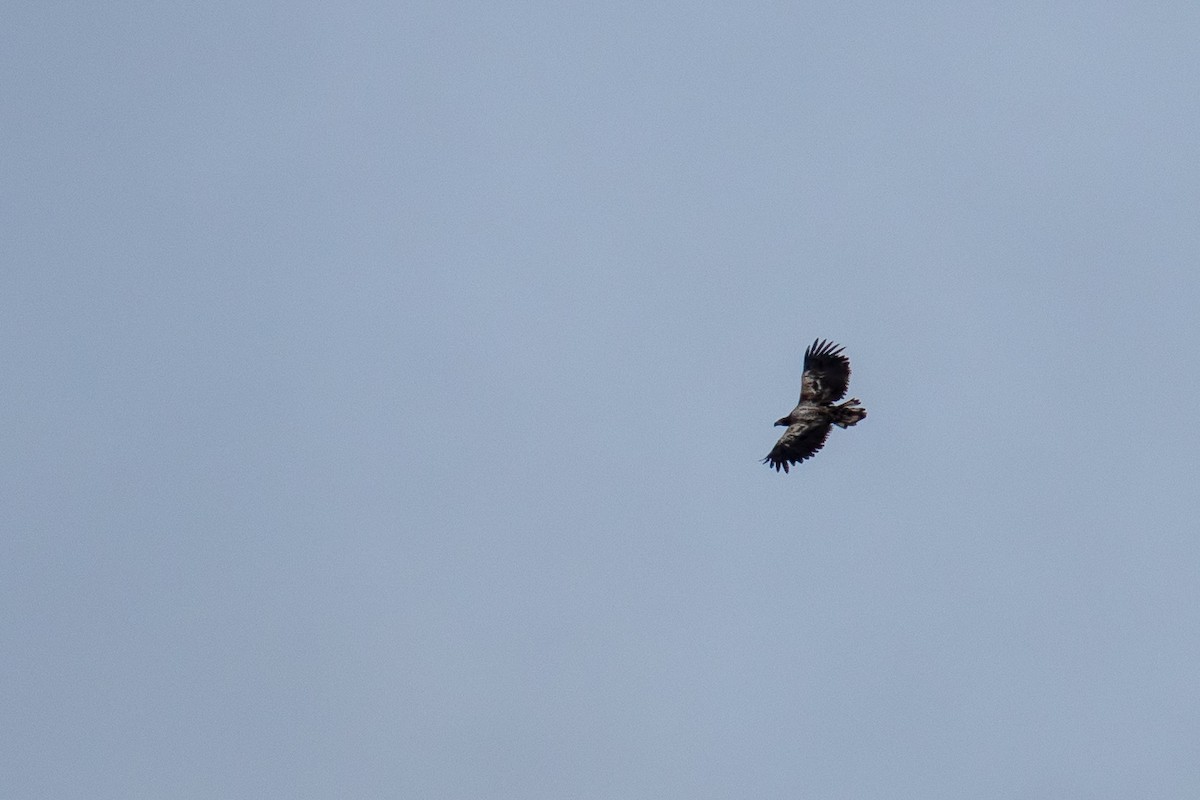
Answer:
[(384, 385)]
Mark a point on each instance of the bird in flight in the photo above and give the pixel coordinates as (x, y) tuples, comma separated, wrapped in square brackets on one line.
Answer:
[(826, 376)]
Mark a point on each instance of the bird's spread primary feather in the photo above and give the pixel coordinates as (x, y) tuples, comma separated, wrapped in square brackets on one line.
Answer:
[(824, 382)]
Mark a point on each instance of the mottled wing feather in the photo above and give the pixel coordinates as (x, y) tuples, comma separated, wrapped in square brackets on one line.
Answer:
[(800, 441), (826, 373)]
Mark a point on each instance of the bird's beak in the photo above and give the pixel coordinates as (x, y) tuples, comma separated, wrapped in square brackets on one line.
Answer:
[(781, 423)]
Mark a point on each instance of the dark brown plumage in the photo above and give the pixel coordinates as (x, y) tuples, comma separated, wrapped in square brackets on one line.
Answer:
[(825, 380)]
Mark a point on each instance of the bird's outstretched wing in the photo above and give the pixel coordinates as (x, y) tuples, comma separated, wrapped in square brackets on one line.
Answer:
[(826, 373), (799, 441)]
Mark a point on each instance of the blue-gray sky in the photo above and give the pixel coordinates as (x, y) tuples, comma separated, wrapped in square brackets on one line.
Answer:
[(384, 386)]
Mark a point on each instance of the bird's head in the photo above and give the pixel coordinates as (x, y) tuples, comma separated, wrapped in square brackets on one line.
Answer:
[(782, 423)]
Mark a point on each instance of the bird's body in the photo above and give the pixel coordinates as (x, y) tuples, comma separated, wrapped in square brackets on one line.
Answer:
[(825, 380)]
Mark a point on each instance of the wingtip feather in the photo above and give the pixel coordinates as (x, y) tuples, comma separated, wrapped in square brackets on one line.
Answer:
[(823, 347)]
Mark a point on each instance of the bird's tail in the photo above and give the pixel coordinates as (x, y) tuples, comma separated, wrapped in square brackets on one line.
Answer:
[(848, 413)]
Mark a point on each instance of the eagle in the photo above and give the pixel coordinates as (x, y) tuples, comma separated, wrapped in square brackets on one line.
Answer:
[(826, 376)]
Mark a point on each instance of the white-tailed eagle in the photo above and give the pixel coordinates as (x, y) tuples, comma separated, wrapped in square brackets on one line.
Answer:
[(826, 376)]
